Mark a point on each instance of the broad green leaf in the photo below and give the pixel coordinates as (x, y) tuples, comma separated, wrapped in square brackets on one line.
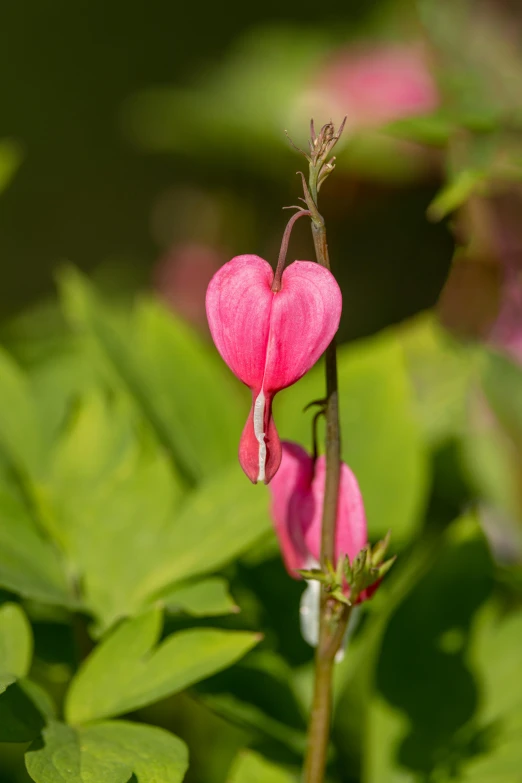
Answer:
[(249, 716), (21, 719), (10, 159), (426, 693), (128, 670), (109, 752), (258, 695), (381, 436), (495, 656), (20, 437), (180, 385), (29, 564), (441, 372), (116, 502), (16, 641), (200, 599), (250, 767), (492, 443), (20, 716), (114, 496), (57, 383), (217, 522), (490, 458)]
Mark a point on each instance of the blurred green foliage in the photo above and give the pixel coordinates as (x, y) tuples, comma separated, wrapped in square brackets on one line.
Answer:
[(146, 620)]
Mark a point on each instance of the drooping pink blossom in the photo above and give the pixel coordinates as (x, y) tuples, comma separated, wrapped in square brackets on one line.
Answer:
[(297, 493), (270, 340)]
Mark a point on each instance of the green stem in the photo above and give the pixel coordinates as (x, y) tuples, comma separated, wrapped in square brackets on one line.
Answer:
[(333, 615)]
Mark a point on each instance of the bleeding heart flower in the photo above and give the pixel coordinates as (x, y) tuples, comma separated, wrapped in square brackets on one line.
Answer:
[(297, 507), (270, 339)]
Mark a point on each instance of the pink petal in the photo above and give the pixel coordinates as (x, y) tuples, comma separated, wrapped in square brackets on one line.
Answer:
[(249, 446), (292, 505), (304, 318), (351, 531), (239, 300), (269, 340)]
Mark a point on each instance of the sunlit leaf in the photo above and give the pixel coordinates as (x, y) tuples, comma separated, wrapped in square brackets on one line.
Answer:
[(110, 752), (381, 436), (20, 717), (217, 522), (200, 599), (426, 694), (181, 387), (29, 563), (250, 767), (16, 641), (128, 670)]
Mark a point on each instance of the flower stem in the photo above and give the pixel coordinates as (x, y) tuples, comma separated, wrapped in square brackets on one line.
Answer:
[(276, 285), (333, 615)]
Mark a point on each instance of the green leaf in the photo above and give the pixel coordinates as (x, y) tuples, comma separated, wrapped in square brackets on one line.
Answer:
[(495, 656), (382, 439), (10, 159), (29, 564), (218, 521), (181, 386), (250, 767), (207, 598), (16, 641), (425, 695), (492, 442), (20, 440), (252, 718), (109, 752), (114, 495), (21, 719), (490, 459), (441, 372), (20, 716), (127, 670)]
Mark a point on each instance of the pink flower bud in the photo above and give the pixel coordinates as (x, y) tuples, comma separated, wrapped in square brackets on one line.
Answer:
[(297, 507), (270, 340)]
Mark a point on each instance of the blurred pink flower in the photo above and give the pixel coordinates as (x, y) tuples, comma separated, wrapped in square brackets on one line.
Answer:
[(181, 278), (270, 340), (297, 493), (376, 84)]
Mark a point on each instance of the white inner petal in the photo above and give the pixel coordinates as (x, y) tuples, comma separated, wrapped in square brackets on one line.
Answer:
[(309, 612), (259, 416)]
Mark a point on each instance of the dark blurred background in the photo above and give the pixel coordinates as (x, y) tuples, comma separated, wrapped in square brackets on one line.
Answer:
[(97, 187)]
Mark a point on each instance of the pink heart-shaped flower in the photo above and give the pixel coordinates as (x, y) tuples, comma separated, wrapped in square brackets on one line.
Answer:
[(297, 493), (270, 340)]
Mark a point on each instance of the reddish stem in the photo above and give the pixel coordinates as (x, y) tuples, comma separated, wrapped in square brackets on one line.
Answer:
[(276, 285)]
